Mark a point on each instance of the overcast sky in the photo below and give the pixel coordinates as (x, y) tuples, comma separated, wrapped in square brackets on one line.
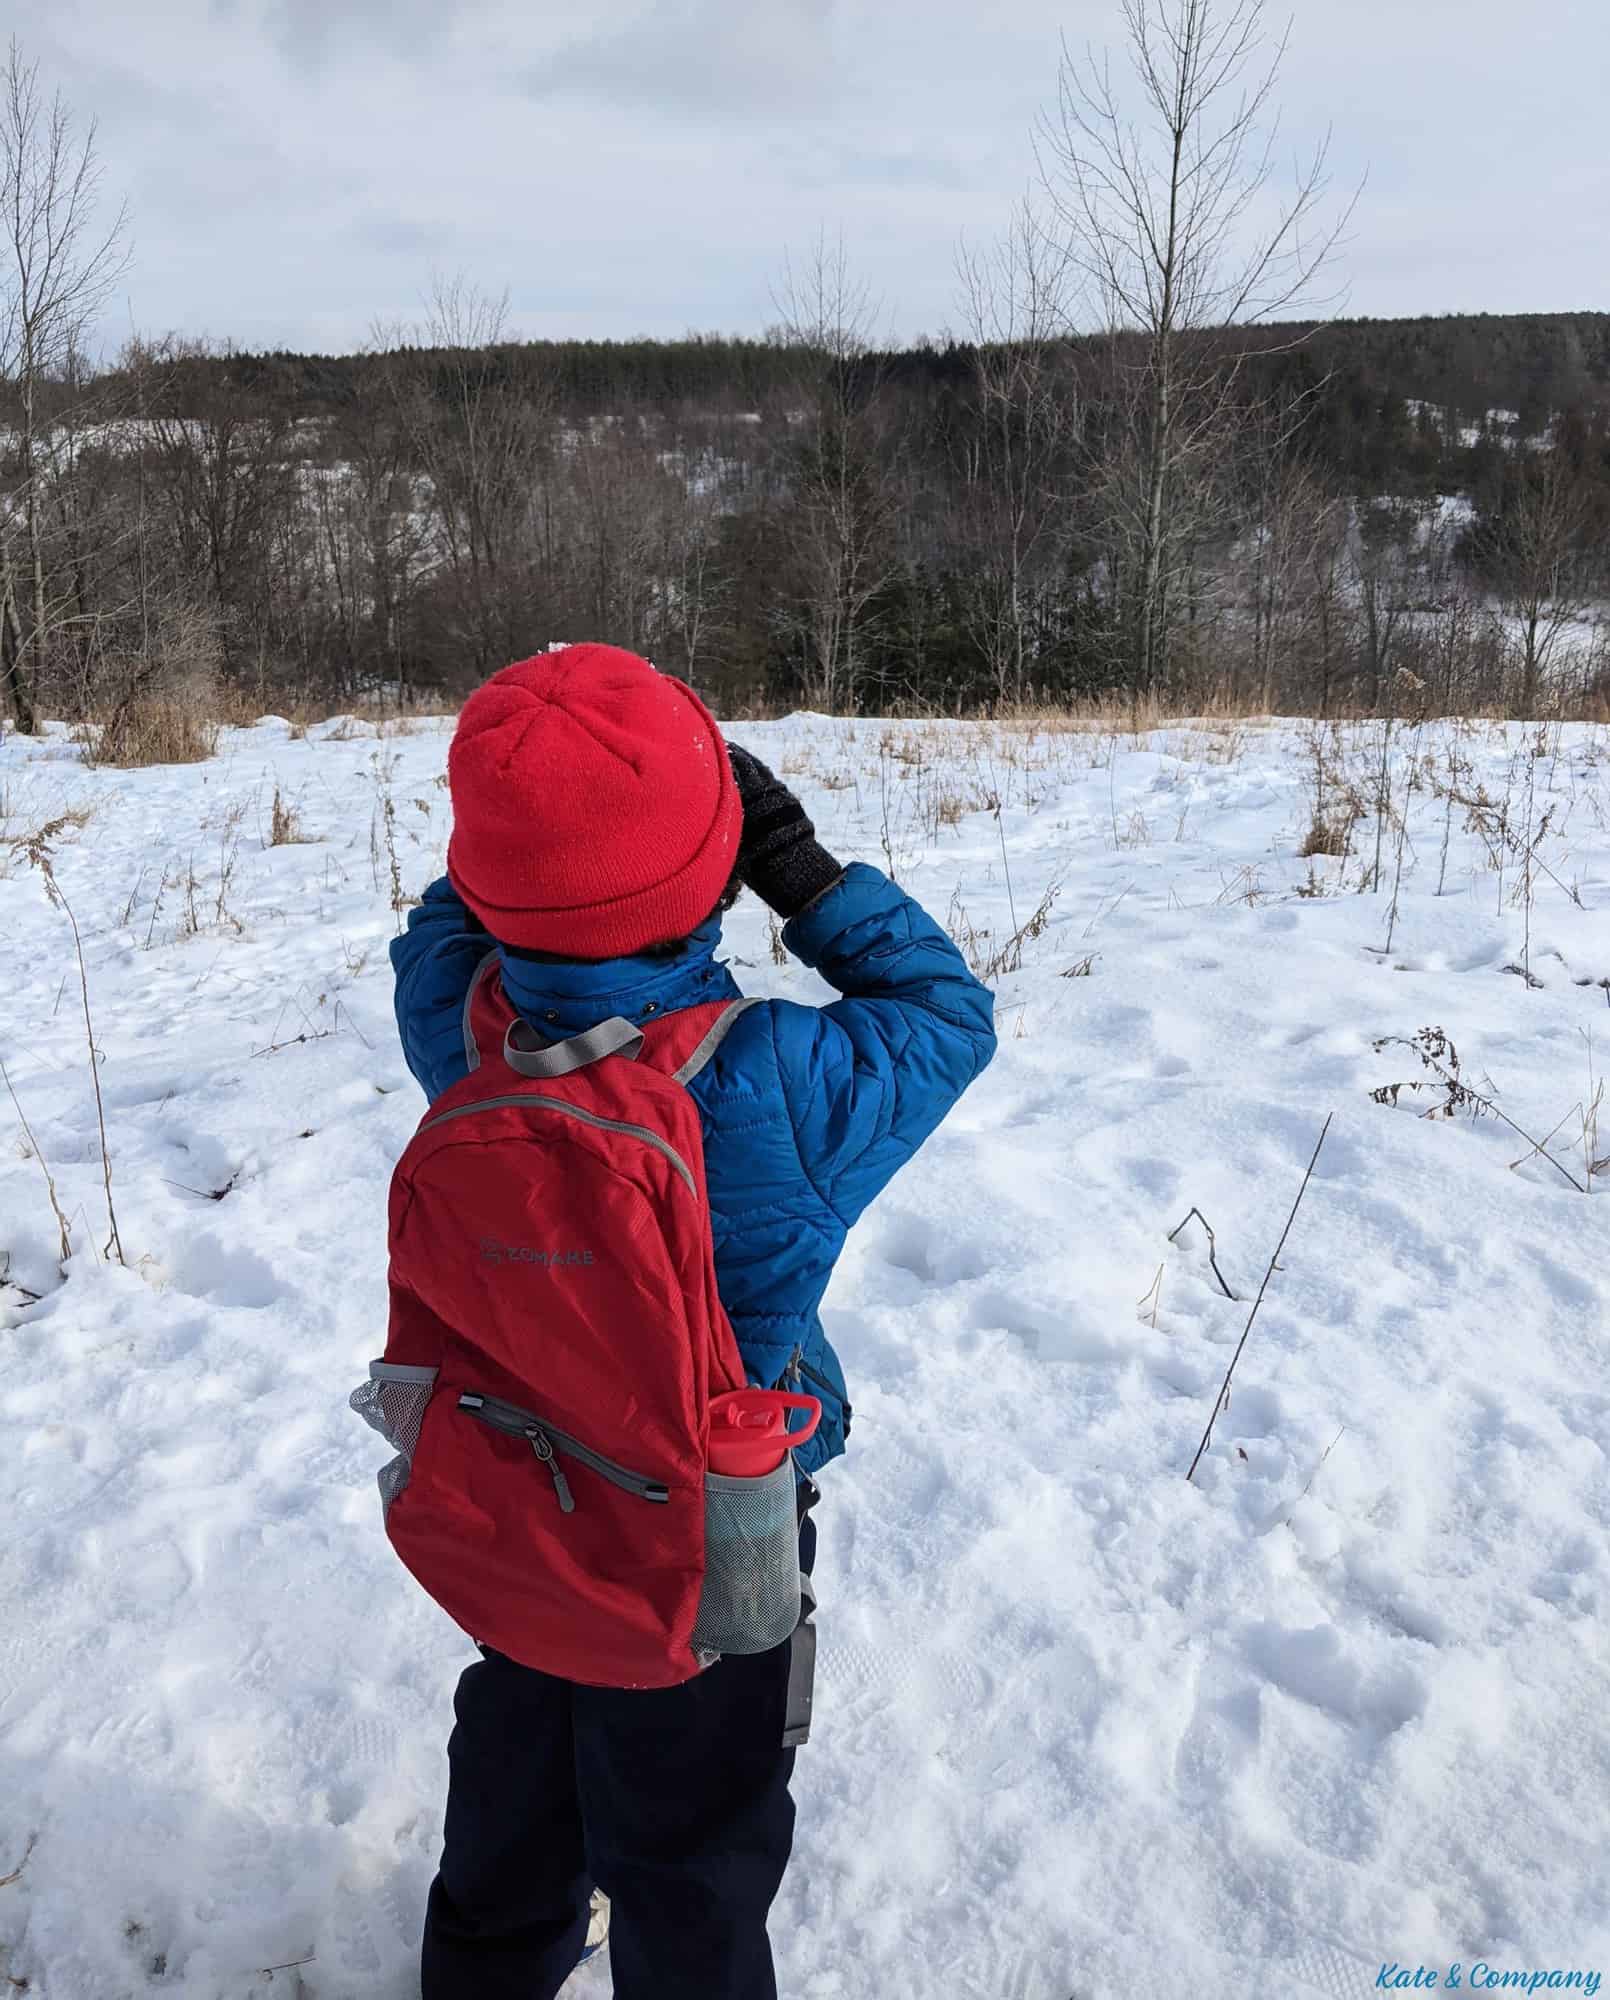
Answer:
[(296, 169)]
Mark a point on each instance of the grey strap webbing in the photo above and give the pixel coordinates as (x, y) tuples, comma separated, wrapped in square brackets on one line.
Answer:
[(614, 1037), (472, 1054), (801, 1669), (712, 1041)]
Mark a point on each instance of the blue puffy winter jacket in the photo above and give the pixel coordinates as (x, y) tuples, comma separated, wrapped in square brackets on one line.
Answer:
[(808, 1112)]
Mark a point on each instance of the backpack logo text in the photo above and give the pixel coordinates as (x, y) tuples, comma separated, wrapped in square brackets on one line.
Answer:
[(493, 1252)]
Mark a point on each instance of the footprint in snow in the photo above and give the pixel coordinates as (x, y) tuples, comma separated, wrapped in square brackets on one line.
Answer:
[(370, 1929), (922, 1249), (134, 1096), (1224, 1733), (368, 1740), (21, 1648), (1253, 1412), (1176, 1374), (1572, 1583), (1409, 1621), (1000, 1971), (1572, 1292), (209, 1269), (1062, 1338), (1156, 1178), (861, 1685), (1313, 1665)]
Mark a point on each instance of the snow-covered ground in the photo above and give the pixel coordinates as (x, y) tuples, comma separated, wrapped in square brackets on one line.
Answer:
[(1083, 1728)]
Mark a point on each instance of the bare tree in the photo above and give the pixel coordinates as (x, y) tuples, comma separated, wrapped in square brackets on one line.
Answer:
[(371, 531), (1330, 610), (1386, 575), (1175, 230), (1535, 553), (695, 589), (1290, 539), (616, 489), (221, 455), (1014, 459), (844, 497), (57, 270), (482, 433)]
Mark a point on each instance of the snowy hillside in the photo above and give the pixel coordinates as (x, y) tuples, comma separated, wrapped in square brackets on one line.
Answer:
[(1083, 1728)]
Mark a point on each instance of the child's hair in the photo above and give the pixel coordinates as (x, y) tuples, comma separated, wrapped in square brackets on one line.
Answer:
[(667, 948)]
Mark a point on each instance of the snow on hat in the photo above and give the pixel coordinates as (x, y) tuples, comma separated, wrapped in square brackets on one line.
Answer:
[(594, 807)]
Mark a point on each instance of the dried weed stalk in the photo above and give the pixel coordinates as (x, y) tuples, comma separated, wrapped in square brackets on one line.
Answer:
[(37, 849), (1440, 1059), (44, 1165)]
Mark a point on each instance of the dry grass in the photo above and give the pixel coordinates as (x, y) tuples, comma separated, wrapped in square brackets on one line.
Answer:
[(285, 823), (991, 957), (1122, 711), (1326, 836), (356, 713), (158, 730), (155, 728), (1213, 722)]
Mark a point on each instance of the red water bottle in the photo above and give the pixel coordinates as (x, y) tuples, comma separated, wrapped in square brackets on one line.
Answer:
[(749, 1434)]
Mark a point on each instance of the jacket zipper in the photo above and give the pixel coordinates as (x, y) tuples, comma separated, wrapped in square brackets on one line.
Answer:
[(798, 1366), (547, 1443)]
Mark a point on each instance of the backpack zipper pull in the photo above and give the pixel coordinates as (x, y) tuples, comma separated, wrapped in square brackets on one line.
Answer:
[(561, 1485)]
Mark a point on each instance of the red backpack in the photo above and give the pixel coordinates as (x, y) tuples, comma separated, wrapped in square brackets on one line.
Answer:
[(555, 1341)]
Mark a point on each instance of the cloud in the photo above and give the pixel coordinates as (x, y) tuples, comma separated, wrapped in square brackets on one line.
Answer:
[(400, 235), (731, 58), (313, 36)]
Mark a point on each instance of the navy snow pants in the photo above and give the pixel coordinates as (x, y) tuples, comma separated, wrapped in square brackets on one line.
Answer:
[(673, 1801)]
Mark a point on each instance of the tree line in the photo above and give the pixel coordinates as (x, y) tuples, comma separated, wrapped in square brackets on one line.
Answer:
[(1207, 495)]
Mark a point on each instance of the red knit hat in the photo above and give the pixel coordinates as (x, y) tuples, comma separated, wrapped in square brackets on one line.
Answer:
[(594, 806)]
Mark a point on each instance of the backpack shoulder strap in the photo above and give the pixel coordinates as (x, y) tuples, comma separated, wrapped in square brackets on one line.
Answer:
[(486, 1012), (718, 1031)]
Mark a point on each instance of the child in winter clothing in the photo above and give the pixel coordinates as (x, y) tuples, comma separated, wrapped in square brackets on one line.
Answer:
[(600, 830)]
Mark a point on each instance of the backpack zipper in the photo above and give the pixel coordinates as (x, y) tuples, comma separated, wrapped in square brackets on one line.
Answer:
[(535, 1100), (546, 1442)]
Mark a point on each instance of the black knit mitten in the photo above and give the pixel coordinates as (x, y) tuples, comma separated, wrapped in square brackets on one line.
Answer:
[(779, 856)]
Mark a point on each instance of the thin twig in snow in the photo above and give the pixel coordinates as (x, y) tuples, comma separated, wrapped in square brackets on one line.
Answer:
[(38, 852), (1541, 1145), (1006, 866), (1301, 1497), (44, 1166), (312, 1035), (1274, 1265), (1212, 1248), (7, 1880)]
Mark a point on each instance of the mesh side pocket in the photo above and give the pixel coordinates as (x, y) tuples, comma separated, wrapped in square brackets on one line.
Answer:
[(392, 1402), (750, 1600), (392, 1478)]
